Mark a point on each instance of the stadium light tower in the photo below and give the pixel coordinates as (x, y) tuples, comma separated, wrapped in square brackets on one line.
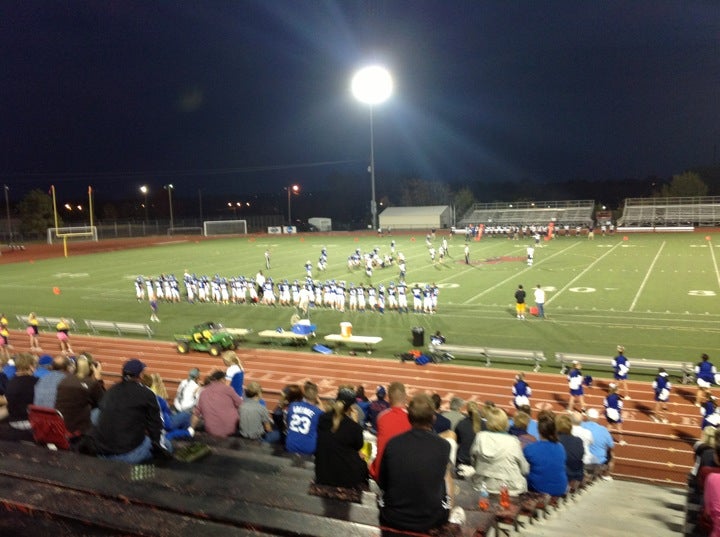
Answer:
[(170, 189), (372, 85), (292, 189), (144, 190)]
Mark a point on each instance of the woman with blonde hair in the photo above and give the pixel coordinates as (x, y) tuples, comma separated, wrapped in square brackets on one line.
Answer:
[(235, 373), (175, 425), (340, 438), (498, 457)]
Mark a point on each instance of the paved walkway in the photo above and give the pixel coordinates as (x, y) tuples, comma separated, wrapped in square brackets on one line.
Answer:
[(615, 508)]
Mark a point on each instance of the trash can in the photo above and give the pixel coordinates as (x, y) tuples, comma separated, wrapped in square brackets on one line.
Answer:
[(418, 336)]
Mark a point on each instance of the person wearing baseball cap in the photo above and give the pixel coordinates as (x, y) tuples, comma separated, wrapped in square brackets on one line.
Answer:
[(187, 393), (129, 426), (376, 407), (601, 449)]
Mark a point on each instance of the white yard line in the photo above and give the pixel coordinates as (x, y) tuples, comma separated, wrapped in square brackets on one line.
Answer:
[(712, 254), (591, 265), (646, 278), (516, 276)]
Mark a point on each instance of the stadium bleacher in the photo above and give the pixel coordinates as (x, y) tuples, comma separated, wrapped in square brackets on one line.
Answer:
[(573, 213), (687, 211)]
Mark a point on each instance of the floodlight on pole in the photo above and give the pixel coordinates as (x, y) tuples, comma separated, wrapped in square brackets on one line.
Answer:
[(170, 188), (292, 189), (372, 85), (144, 190)]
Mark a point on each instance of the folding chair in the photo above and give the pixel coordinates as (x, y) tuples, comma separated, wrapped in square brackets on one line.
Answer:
[(48, 427)]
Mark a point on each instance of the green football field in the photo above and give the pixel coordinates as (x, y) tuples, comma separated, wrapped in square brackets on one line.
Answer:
[(656, 294)]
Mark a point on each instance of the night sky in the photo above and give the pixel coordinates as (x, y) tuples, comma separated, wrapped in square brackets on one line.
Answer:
[(249, 96)]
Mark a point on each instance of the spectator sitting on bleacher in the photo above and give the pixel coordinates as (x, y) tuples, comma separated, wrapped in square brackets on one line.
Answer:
[(583, 434), (574, 450), (47, 386), (519, 427), (8, 366), (302, 421), (704, 450), (19, 394), (186, 396), (414, 474), (454, 414), (711, 503), (339, 441), (441, 423), (176, 425), (498, 457), (376, 407), (79, 395), (130, 426), (235, 373), (255, 420), (44, 364), (390, 423), (217, 407), (601, 449), (290, 394), (547, 459), (465, 432)]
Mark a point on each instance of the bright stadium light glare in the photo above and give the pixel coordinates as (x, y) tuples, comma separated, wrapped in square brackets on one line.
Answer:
[(372, 85)]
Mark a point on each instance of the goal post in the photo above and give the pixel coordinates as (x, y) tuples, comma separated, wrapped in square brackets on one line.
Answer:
[(79, 233), (224, 227)]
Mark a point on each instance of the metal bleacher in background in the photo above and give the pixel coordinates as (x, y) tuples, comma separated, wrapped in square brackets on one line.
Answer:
[(688, 211), (572, 213)]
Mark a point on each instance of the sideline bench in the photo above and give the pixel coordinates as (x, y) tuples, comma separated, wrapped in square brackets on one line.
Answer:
[(239, 333), (490, 353), (685, 370), (368, 341), (119, 327), (285, 335), (47, 322)]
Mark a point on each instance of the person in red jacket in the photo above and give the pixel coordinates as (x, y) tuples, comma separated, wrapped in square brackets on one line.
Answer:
[(390, 423)]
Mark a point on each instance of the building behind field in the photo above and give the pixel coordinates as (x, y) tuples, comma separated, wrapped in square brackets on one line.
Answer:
[(425, 217)]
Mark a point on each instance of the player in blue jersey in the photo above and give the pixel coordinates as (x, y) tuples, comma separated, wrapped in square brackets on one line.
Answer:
[(705, 374)]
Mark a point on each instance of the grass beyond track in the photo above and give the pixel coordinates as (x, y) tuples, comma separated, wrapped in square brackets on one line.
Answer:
[(657, 294)]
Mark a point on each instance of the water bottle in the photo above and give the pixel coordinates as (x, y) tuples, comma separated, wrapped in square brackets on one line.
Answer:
[(504, 496), (484, 499)]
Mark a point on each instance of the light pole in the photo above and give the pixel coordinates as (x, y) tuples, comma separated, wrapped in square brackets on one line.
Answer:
[(144, 190), (372, 85), (292, 189), (170, 188), (7, 210)]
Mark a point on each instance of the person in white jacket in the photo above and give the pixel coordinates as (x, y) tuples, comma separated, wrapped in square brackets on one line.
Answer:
[(497, 456)]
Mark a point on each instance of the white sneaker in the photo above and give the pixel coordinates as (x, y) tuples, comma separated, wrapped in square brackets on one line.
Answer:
[(457, 516), (627, 397), (654, 419), (622, 443), (606, 477), (665, 420)]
